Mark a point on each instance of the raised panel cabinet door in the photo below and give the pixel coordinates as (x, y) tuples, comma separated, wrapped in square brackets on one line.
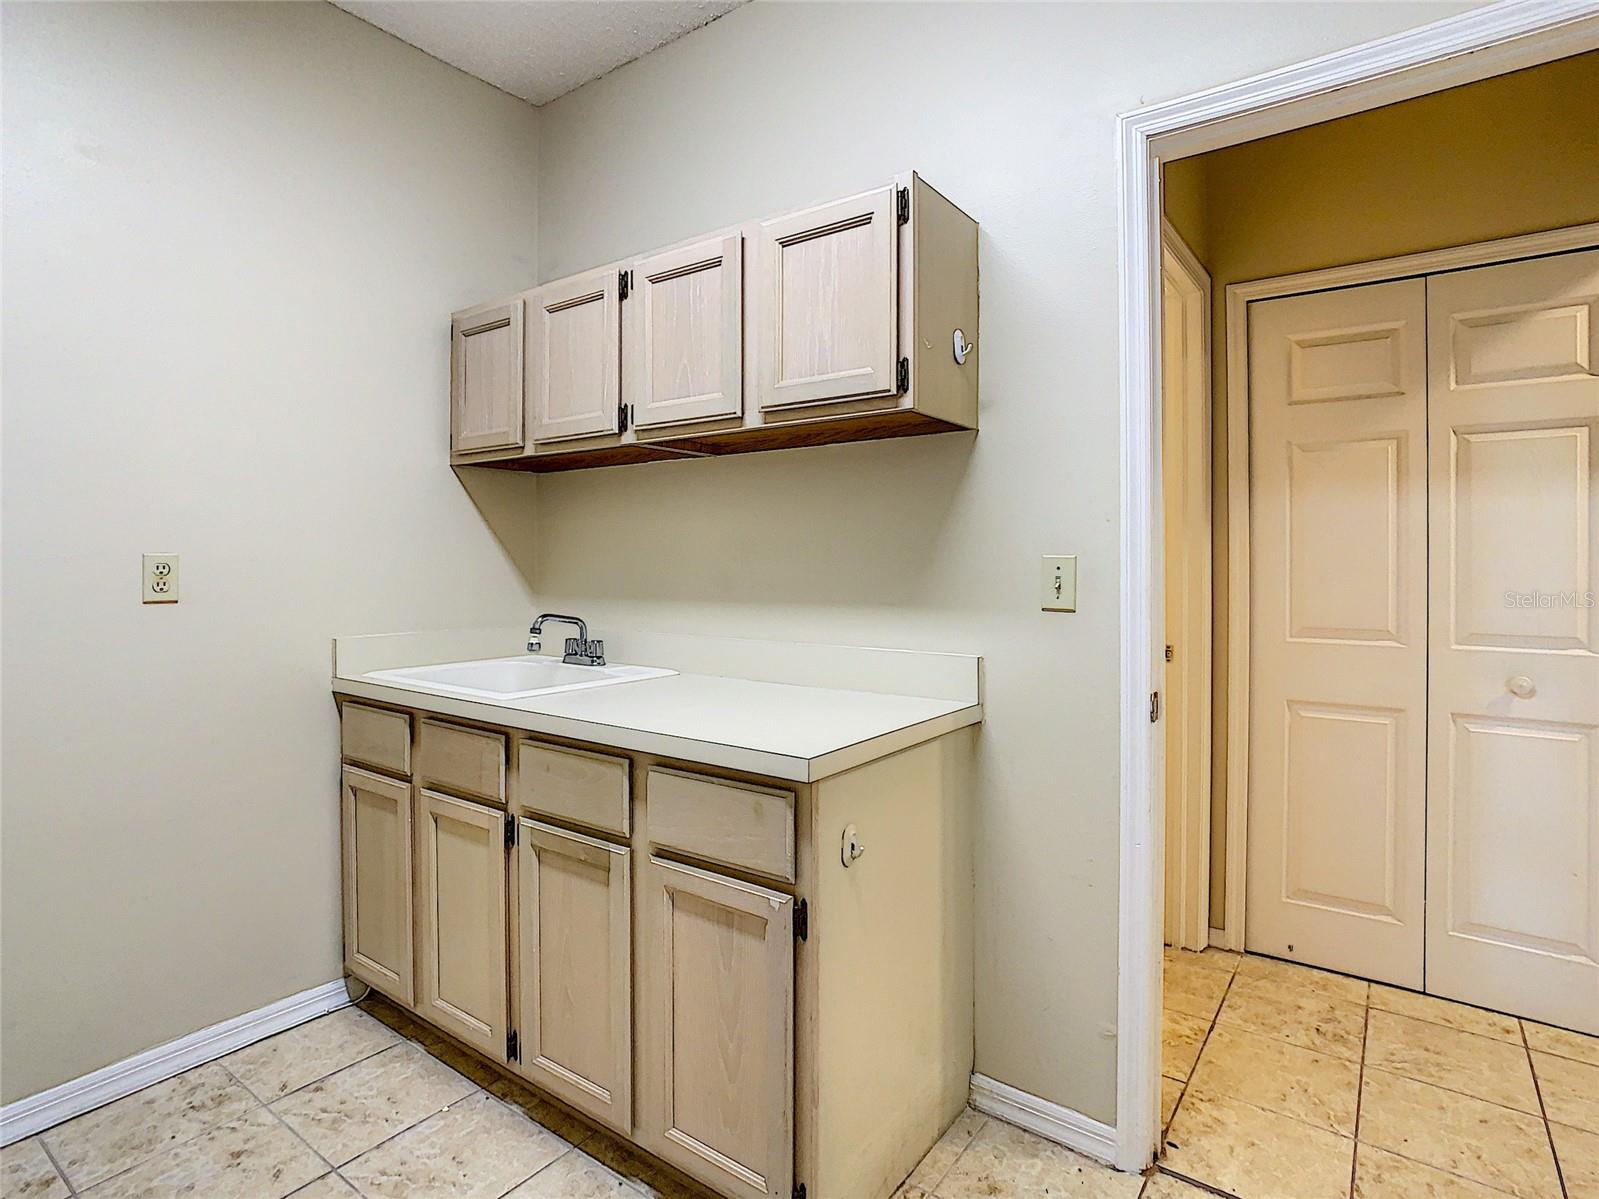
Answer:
[(461, 905), (717, 1091), (1513, 673), (827, 287), (575, 1009), (685, 334), (486, 378), (574, 364), (376, 815), (1338, 630)]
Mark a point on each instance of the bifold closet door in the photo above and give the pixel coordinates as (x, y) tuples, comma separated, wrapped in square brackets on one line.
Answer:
[(1338, 613), (1513, 771)]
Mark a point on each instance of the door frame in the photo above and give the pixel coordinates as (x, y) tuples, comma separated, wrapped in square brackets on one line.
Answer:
[(1239, 297), (1475, 45), (1188, 687)]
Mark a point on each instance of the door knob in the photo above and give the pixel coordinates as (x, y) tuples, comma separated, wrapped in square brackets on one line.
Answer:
[(1521, 687)]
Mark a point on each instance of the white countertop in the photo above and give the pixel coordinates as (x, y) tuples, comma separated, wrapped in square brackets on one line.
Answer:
[(763, 725)]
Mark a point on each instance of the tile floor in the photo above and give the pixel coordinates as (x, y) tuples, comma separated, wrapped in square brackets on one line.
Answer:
[(1283, 1083), (1292, 1083)]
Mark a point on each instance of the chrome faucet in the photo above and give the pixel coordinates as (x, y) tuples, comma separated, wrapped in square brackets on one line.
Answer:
[(580, 651)]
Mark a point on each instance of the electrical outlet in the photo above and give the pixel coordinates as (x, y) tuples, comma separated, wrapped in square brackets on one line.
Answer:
[(160, 578), (1057, 583)]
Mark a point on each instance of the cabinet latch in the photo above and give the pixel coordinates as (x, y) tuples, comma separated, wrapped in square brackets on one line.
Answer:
[(904, 206), (624, 284), (513, 1046), (510, 831), (902, 377), (802, 920)]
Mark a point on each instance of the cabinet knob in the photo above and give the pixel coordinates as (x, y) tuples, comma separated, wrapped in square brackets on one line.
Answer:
[(852, 848), (1521, 687)]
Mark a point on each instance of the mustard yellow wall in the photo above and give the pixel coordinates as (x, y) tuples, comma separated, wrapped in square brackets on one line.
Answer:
[(1502, 157)]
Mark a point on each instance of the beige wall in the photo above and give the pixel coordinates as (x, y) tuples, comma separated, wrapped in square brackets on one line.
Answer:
[(233, 235), (930, 543), (1502, 157)]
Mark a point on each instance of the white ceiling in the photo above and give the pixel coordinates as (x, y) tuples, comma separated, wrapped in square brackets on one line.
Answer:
[(538, 49)]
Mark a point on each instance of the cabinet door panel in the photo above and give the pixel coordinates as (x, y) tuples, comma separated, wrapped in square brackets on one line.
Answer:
[(686, 343), (575, 356), (461, 897), (377, 882), (827, 287), (486, 372), (719, 1033), (575, 1010)]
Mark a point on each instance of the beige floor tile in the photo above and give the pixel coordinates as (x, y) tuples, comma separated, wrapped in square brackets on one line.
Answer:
[(1446, 1057), (477, 1149), (253, 1157), (909, 1192), (1004, 1162), (1279, 1077), (932, 1168), (1171, 1090), (345, 1114), (1212, 959), (121, 1134), (274, 1067), (1562, 1042), (1445, 1011), (1324, 1025), (1164, 1186), (1192, 989), (1578, 1152), (26, 1173), (1570, 1090), (329, 1186), (574, 1175), (1383, 1175), (544, 1112), (1181, 1038), (1458, 1134), (1291, 978), (1248, 1151)]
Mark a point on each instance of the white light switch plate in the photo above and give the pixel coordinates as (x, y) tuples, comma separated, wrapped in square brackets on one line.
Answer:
[(160, 578), (1057, 583)]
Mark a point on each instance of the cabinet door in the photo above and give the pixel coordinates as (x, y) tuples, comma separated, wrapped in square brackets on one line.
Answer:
[(461, 900), (718, 1060), (376, 815), (827, 286), (685, 339), (575, 1007), (575, 359), (486, 378)]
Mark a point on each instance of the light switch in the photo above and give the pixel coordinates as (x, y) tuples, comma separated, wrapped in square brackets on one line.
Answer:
[(160, 578), (1058, 583)]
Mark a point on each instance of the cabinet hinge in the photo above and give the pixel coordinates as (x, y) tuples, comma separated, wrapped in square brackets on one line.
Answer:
[(1171, 652), (802, 920), (624, 284), (624, 414), (1154, 706), (799, 1190), (510, 831), (902, 377), (904, 206), (513, 1046)]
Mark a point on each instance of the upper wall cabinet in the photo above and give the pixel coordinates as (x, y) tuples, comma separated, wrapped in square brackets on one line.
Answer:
[(574, 356), (486, 378), (843, 321), (827, 290)]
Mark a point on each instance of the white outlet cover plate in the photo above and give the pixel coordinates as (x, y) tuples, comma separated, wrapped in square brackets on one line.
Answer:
[(160, 578), (1057, 583)]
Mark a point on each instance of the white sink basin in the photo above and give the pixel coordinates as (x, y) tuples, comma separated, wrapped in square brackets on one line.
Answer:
[(514, 678)]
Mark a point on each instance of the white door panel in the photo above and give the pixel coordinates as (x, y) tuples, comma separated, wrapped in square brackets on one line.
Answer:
[(1513, 772), (1338, 628)]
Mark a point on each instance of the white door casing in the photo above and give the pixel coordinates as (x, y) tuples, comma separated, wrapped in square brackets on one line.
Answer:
[(1513, 761), (1339, 629)]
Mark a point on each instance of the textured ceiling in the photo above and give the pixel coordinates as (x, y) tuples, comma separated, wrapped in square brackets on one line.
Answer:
[(538, 49)]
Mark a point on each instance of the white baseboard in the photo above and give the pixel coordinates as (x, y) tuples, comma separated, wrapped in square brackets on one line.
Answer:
[(49, 1108), (1049, 1120)]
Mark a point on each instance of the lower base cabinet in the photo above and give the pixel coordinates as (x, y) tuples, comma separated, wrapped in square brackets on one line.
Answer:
[(574, 970), (378, 932), (718, 1029), (461, 917)]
